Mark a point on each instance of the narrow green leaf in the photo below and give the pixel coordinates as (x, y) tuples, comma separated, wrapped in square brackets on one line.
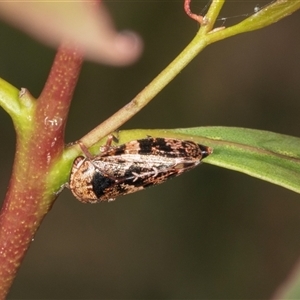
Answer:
[(266, 155)]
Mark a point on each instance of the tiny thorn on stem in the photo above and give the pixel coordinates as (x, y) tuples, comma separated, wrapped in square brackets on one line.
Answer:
[(188, 11)]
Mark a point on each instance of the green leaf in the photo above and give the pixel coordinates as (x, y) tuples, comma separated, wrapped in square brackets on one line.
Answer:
[(262, 154)]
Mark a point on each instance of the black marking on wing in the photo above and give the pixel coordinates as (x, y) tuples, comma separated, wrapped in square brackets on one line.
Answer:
[(100, 183)]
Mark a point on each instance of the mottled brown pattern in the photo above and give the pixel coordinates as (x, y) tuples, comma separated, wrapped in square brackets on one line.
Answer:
[(132, 167)]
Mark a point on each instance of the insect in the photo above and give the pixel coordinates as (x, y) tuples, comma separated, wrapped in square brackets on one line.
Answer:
[(131, 167)]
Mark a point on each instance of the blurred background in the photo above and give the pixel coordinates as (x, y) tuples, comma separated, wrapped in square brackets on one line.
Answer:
[(212, 233)]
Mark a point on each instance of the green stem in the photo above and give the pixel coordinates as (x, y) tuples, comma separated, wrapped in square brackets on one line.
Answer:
[(9, 99), (157, 84), (268, 15), (205, 36)]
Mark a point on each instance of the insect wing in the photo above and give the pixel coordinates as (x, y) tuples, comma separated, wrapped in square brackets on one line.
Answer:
[(127, 173), (164, 147)]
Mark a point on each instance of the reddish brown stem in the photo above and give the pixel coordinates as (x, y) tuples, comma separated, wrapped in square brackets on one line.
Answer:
[(58, 90), (27, 200), (188, 11)]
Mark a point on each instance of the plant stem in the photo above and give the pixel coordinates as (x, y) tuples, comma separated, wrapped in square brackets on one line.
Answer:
[(205, 36), (40, 132)]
